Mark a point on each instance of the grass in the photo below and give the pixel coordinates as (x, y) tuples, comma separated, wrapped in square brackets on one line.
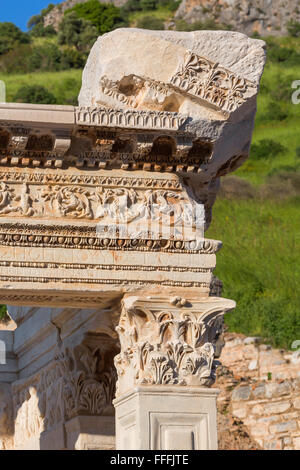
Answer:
[(259, 265), (65, 85), (286, 131), (162, 13)]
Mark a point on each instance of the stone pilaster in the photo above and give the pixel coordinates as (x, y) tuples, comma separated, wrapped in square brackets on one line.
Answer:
[(167, 417), (169, 351)]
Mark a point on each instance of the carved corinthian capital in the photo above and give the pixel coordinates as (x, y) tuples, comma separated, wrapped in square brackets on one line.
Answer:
[(169, 341)]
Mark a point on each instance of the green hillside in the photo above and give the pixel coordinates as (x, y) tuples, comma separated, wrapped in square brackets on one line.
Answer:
[(259, 221), (64, 85)]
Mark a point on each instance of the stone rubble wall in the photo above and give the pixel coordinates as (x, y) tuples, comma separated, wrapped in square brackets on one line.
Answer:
[(261, 391)]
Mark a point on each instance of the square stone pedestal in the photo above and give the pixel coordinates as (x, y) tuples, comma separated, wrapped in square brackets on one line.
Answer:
[(167, 418)]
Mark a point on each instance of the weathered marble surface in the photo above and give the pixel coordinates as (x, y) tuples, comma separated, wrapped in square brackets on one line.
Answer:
[(158, 56), (162, 117)]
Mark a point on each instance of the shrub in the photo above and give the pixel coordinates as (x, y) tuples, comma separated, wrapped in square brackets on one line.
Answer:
[(172, 5), (280, 54), (35, 94), (182, 25), (266, 148), (131, 6), (149, 22), (16, 61), (87, 38), (291, 178), (275, 112), (256, 35), (233, 187), (149, 4), (281, 185), (281, 88), (293, 28), (46, 57), (72, 59)]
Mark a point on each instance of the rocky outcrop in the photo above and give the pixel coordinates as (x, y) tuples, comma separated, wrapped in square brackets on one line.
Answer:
[(247, 16), (259, 403), (263, 16), (54, 17)]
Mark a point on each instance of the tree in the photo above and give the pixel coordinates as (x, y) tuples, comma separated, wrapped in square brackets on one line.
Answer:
[(39, 30), (172, 5), (10, 36), (36, 24), (72, 58), (103, 16), (75, 31), (37, 19), (149, 22)]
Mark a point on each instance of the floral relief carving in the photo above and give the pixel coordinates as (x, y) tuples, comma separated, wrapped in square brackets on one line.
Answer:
[(178, 346), (89, 384), (208, 81)]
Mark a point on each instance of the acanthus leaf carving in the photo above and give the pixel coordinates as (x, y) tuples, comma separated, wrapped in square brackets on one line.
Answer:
[(174, 346), (210, 82)]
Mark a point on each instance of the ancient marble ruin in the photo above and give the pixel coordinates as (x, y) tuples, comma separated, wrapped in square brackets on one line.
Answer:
[(104, 264)]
